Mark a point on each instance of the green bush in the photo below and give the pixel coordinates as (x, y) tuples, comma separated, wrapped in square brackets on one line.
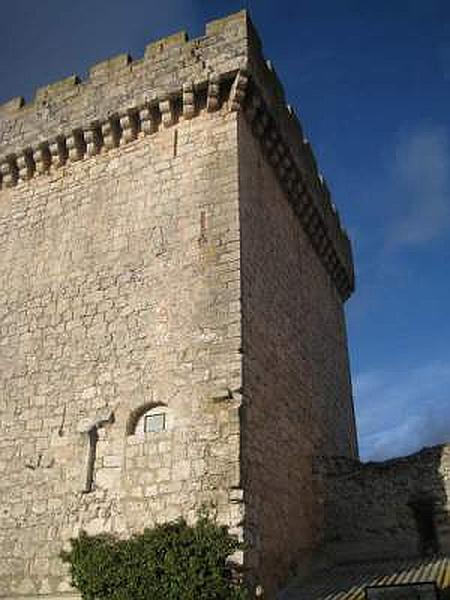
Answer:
[(170, 562)]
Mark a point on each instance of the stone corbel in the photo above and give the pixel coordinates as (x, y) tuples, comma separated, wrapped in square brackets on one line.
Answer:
[(238, 90), (261, 125), (42, 158), (253, 107), (299, 188), (324, 242), (327, 254), (270, 139), (188, 100), (317, 233), (129, 126), (25, 165), (213, 93), (308, 215), (167, 112), (58, 152), (340, 275), (276, 157), (8, 170), (291, 179), (333, 260), (286, 165), (93, 139), (75, 146), (147, 122), (111, 133), (302, 201)]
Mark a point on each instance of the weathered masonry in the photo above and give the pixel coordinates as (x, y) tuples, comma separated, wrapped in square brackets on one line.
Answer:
[(172, 279), (387, 529)]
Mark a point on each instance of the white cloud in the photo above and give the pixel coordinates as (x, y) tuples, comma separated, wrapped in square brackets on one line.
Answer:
[(399, 412), (422, 186)]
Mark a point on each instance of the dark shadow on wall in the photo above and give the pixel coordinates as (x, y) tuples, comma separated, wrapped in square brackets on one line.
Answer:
[(424, 512), (394, 509)]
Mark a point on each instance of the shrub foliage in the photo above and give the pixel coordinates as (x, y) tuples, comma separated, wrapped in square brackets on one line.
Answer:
[(173, 561)]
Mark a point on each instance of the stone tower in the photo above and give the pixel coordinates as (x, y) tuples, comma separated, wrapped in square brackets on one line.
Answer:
[(172, 280)]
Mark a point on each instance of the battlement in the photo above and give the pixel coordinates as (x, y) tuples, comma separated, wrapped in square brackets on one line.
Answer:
[(166, 65), (176, 79)]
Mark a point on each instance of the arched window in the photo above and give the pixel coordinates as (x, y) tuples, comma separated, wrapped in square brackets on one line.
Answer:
[(149, 419)]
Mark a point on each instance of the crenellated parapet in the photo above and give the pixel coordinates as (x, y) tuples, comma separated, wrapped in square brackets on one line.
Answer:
[(306, 189), (177, 79), (117, 129), (122, 85)]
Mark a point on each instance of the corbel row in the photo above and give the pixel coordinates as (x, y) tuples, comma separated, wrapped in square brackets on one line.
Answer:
[(297, 188), (117, 130), (123, 128)]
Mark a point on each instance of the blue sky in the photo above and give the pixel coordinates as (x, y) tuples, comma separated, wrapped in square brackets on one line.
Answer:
[(371, 83)]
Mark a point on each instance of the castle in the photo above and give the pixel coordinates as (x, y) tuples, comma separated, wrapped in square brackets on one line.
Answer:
[(172, 280)]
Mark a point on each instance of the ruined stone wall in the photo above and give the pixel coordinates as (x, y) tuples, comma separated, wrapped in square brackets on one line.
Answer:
[(370, 508), (119, 289), (297, 395)]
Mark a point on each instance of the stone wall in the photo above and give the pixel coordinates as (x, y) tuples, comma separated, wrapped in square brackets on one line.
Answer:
[(389, 509), (167, 240), (123, 98), (297, 394), (119, 289)]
